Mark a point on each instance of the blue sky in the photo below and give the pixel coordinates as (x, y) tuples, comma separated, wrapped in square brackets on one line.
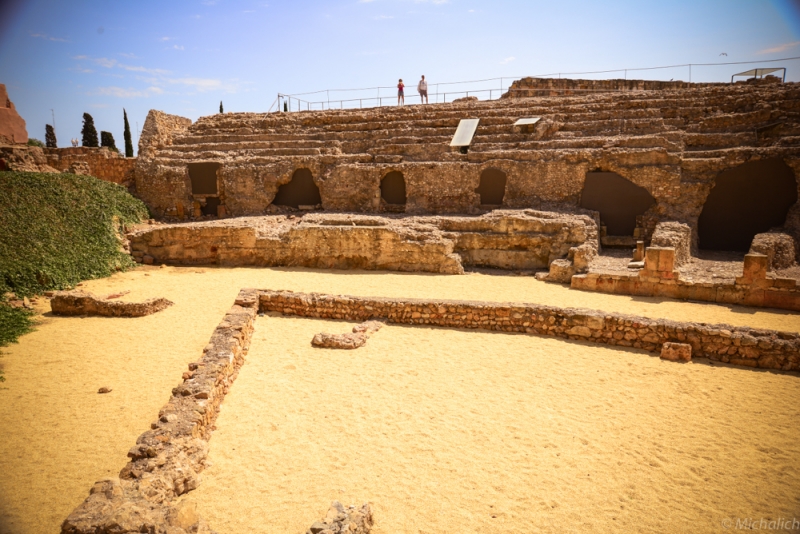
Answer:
[(183, 57)]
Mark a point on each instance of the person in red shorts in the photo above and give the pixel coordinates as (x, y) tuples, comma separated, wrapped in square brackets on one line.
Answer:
[(400, 97)]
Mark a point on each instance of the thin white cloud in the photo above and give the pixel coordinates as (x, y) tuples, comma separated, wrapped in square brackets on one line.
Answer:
[(119, 92), (507, 60), (177, 47), (102, 61), (199, 84), (49, 37), (249, 11), (165, 39), (365, 1), (129, 56), (780, 48), (383, 17), (136, 68)]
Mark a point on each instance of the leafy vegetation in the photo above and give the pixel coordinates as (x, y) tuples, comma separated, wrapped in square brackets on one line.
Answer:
[(13, 323), (88, 132), (59, 229), (107, 140), (50, 136), (127, 135), (35, 142)]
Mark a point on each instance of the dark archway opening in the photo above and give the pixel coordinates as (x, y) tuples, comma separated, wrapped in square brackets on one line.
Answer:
[(492, 187), (745, 201), (618, 200), (212, 203), (300, 191), (204, 178), (393, 188)]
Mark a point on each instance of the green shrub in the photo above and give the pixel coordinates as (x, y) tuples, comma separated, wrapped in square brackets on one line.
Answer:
[(13, 323), (35, 142), (59, 229)]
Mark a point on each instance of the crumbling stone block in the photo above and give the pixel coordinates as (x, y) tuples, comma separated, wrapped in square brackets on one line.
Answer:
[(676, 352), (777, 247), (659, 262), (755, 269), (675, 235)]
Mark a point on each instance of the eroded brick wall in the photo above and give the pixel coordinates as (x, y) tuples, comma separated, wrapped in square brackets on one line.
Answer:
[(102, 163)]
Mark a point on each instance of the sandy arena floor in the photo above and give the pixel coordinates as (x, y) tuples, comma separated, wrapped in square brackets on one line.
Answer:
[(460, 431), (60, 436)]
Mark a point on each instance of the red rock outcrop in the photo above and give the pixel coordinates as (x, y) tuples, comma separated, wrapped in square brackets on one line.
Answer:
[(12, 126)]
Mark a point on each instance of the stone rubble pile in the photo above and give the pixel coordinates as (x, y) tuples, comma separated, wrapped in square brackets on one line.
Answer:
[(358, 338), (341, 520)]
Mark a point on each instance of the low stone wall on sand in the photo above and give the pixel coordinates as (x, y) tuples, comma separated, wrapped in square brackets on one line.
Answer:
[(730, 344), (167, 460), (83, 303), (660, 278)]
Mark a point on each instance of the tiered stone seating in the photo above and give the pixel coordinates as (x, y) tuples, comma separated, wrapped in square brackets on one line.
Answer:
[(691, 134)]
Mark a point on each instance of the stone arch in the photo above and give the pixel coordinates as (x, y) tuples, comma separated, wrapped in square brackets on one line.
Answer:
[(618, 200), (300, 191), (492, 187), (745, 201), (393, 188)]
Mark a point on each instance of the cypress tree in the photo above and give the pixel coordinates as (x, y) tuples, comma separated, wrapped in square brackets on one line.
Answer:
[(89, 132), (50, 137), (107, 140), (128, 142), (220, 107)]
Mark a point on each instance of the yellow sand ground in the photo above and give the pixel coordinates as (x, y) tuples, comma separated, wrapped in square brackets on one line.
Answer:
[(59, 435), (461, 431)]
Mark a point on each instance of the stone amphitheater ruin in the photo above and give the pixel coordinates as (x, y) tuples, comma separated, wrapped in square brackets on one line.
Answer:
[(609, 165), (663, 189)]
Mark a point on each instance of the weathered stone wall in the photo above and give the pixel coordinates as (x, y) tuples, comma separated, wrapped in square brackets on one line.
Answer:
[(672, 139), (659, 278), (167, 460), (736, 345), (531, 87), (503, 239), (98, 162)]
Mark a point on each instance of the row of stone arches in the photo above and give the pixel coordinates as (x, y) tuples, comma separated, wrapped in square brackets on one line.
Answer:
[(745, 200)]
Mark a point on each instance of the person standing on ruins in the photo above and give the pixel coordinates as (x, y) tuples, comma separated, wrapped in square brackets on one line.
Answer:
[(422, 87), (400, 96)]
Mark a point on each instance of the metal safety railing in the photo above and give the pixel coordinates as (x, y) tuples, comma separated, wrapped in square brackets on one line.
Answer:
[(294, 102)]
